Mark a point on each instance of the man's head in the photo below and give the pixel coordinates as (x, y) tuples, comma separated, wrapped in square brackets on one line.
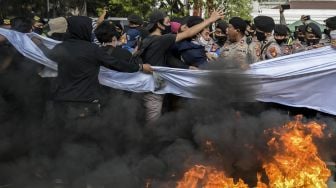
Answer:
[(313, 34), (220, 32), (159, 21), (330, 24), (22, 24), (281, 33), (37, 25), (80, 28), (57, 25), (300, 33), (106, 33), (236, 29), (134, 20), (264, 27)]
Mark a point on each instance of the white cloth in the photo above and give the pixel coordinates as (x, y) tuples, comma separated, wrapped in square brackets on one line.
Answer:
[(301, 80)]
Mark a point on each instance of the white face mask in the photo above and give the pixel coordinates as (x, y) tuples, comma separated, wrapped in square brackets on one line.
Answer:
[(202, 41)]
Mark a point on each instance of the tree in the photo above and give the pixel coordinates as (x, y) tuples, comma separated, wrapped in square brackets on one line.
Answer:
[(124, 8), (241, 8)]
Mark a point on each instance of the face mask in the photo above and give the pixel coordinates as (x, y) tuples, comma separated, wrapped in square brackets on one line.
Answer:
[(311, 42), (281, 41), (260, 36), (38, 30), (301, 39), (220, 40), (201, 41), (167, 30)]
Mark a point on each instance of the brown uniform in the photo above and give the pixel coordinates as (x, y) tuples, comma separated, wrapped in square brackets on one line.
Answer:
[(270, 49), (237, 52)]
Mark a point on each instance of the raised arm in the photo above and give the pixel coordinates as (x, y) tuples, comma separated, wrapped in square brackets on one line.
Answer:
[(217, 14)]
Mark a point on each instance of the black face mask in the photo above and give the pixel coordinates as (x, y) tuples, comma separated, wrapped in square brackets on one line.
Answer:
[(281, 41), (260, 36), (220, 40), (167, 30), (38, 30), (311, 42), (301, 39), (327, 32)]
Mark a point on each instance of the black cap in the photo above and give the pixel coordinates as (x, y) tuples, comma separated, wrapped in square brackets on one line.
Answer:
[(155, 17), (331, 23), (184, 20), (281, 29), (135, 19), (264, 23), (194, 20), (222, 25), (313, 28), (238, 23)]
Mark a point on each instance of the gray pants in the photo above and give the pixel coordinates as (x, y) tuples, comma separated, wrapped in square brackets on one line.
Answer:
[(153, 106)]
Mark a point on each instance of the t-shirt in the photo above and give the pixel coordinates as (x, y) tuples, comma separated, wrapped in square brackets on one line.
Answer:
[(157, 51)]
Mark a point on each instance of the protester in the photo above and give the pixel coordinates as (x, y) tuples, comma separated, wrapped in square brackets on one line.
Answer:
[(79, 62), (157, 45), (108, 37), (192, 50), (133, 32), (58, 27)]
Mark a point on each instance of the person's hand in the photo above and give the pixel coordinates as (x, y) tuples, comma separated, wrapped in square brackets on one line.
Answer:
[(146, 68), (216, 15)]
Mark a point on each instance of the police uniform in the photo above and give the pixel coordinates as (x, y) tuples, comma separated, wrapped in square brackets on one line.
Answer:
[(270, 49), (237, 51), (316, 43), (331, 25), (254, 51)]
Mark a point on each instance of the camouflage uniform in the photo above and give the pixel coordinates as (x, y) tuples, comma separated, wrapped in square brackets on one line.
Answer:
[(237, 51)]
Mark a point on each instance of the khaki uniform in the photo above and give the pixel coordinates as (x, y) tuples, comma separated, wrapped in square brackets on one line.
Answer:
[(254, 51), (285, 49), (270, 49), (237, 52), (297, 47)]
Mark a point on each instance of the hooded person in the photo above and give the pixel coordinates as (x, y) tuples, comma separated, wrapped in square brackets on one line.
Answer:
[(157, 48), (58, 27), (79, 62), (264, 28)]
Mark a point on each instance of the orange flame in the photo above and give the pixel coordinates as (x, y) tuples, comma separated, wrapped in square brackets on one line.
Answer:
[(208, 177), (296, 162)]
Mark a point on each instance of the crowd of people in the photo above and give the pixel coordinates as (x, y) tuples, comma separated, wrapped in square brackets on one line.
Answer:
[(189, 43)]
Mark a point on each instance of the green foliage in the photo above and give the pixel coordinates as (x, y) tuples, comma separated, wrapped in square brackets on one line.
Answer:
[(124, 8), (241, 8)]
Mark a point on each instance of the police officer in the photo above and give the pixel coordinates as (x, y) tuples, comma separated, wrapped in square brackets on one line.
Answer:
[(313, 35), (236, 49), (331, 26), (269, 47), (281, 35)]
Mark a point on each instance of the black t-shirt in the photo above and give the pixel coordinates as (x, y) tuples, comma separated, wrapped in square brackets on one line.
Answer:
[(157, 51), (118, 53)]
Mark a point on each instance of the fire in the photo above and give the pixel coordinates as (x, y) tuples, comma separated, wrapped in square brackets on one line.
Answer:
[(296, 162), (208, 177)]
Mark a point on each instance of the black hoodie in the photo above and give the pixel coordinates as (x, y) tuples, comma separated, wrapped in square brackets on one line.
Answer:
[(79, 62)]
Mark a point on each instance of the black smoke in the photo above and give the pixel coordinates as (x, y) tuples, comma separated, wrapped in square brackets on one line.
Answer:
[(117, 148)]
